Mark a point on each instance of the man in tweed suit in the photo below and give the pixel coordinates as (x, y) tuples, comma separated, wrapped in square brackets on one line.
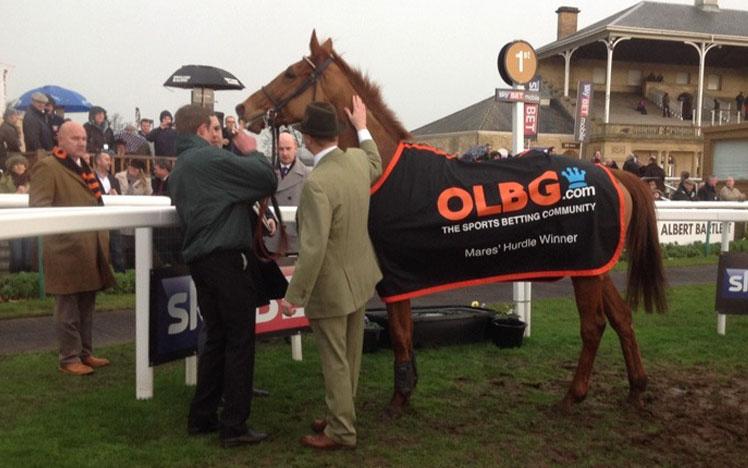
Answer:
[(336, 270)]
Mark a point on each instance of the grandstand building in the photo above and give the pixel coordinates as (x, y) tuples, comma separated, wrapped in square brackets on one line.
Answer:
[(697, 54)]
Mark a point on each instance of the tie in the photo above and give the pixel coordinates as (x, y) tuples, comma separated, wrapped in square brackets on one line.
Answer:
[(284, 171)]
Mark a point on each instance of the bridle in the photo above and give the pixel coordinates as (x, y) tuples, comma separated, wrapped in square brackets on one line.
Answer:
[(279, 104)]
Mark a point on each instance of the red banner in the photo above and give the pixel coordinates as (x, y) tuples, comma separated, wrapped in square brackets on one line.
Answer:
[(271, 320)]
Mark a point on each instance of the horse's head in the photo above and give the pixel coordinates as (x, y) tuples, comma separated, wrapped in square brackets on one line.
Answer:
[(289, 93), (323, 76)]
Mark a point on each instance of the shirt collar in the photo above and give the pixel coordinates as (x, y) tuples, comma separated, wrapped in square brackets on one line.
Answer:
[(318, 157)]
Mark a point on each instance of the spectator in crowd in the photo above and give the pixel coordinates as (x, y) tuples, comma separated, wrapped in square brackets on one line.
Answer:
[(657, 194), (336, 270), (716, 107), (597, 158), (36, 131), (739, 102), (110, 186), (642, 106), (292, 174), (686, 191), (16, 180), (653, 171), (75, 265), (100, 135), (708, 190), (54, 120), (10, 141), (164, 137), (229, 131), (146, 125), (215, 136), (213, 190), (666, 105), (610, 163), (134, 143), (631, 164), (160, 180), (133, 180), (731, 193)]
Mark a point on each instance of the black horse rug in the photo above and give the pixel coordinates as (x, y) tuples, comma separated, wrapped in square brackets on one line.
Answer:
[(439, 223)]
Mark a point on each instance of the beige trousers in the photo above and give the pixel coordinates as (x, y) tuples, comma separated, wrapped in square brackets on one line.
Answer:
[(340, 342)]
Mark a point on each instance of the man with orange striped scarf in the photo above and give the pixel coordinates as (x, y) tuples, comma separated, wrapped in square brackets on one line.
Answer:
[(76, 266)]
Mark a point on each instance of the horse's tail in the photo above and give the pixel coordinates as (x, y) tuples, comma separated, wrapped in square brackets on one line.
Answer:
[(646, 274)]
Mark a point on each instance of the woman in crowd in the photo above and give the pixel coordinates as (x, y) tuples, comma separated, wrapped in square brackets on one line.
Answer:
[(16, 180)]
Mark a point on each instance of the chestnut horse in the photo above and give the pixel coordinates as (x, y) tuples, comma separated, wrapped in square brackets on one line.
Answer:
[(324, 76)]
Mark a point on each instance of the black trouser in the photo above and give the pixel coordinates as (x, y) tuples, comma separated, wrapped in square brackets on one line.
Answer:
[(227, 296)]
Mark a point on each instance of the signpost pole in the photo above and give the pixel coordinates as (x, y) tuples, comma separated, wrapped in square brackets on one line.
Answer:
[(725, 247), (521, 290)]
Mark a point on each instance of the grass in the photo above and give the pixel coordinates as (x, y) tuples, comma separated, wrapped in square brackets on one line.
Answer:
[(38, 307), (475, 405), (112, 301)]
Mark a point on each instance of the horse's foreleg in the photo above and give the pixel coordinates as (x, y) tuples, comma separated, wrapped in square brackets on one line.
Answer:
[(588, 292), (401, 337), (619, 316)]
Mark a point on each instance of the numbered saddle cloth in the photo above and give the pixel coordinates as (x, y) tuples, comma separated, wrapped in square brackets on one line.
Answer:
[(439, 223)]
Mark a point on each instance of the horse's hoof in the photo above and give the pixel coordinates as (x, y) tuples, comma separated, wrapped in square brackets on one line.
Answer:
[(636, 402), (392, 412), (563, 407), (397, 406)]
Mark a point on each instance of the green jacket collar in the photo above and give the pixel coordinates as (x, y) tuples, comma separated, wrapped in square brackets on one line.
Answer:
[(190, 141)]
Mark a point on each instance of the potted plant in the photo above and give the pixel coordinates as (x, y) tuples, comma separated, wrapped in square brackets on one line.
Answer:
[(506, 329)]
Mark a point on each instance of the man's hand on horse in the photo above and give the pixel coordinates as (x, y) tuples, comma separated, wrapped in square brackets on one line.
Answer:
[(287, 308), (358, 115)]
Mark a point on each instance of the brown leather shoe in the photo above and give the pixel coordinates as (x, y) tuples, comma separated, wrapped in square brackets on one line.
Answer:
[(95, 362), (322, 442), (76, 368), (319, 425)]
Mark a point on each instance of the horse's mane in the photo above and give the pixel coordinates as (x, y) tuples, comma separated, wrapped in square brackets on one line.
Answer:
[(372, 96)]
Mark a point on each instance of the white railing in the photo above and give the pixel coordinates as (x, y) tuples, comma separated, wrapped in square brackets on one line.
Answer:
[(140, 212), (155, 212)]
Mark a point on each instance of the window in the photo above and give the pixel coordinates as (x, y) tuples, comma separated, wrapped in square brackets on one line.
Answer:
[(634, 78), (598, 75), (730, 158), (682, 78), (713, 82)]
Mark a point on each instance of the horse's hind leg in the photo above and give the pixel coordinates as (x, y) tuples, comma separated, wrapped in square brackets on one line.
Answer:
[(619, 316), (588, 292), (400, 330)]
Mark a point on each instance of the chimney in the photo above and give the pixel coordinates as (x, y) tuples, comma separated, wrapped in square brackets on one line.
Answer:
[(707, 5), (567, 20)]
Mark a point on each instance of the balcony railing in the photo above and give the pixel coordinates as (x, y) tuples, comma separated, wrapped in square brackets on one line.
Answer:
[(601, 130)]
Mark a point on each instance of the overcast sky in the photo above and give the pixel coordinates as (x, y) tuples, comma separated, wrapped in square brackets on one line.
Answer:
[(430, 57)]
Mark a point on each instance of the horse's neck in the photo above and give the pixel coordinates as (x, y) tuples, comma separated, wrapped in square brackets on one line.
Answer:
[(386, 142)]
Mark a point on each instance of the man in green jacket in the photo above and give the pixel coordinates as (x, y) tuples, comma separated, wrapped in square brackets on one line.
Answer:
[(336, 271), (214, 191)]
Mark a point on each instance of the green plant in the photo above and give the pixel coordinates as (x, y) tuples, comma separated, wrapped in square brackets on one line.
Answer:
[(19, 286)]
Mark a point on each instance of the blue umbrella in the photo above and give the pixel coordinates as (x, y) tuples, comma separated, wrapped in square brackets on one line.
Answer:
[(66, 98)]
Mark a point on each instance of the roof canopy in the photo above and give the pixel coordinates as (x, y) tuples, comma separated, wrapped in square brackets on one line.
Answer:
[(647, 21)]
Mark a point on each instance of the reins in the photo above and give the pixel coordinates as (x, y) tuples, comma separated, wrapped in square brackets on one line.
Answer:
[(270, 117)]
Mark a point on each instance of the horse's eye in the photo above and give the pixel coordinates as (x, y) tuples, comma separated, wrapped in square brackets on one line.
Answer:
[(290, 73)]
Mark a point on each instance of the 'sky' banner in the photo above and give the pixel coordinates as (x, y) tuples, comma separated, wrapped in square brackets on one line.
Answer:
[(439, 223)]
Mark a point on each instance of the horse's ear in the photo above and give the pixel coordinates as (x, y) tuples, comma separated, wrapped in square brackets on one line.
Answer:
[(327, 46), (317, 50)]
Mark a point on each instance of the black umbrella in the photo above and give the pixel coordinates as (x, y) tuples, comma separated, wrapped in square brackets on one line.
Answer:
[(203, 76)]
